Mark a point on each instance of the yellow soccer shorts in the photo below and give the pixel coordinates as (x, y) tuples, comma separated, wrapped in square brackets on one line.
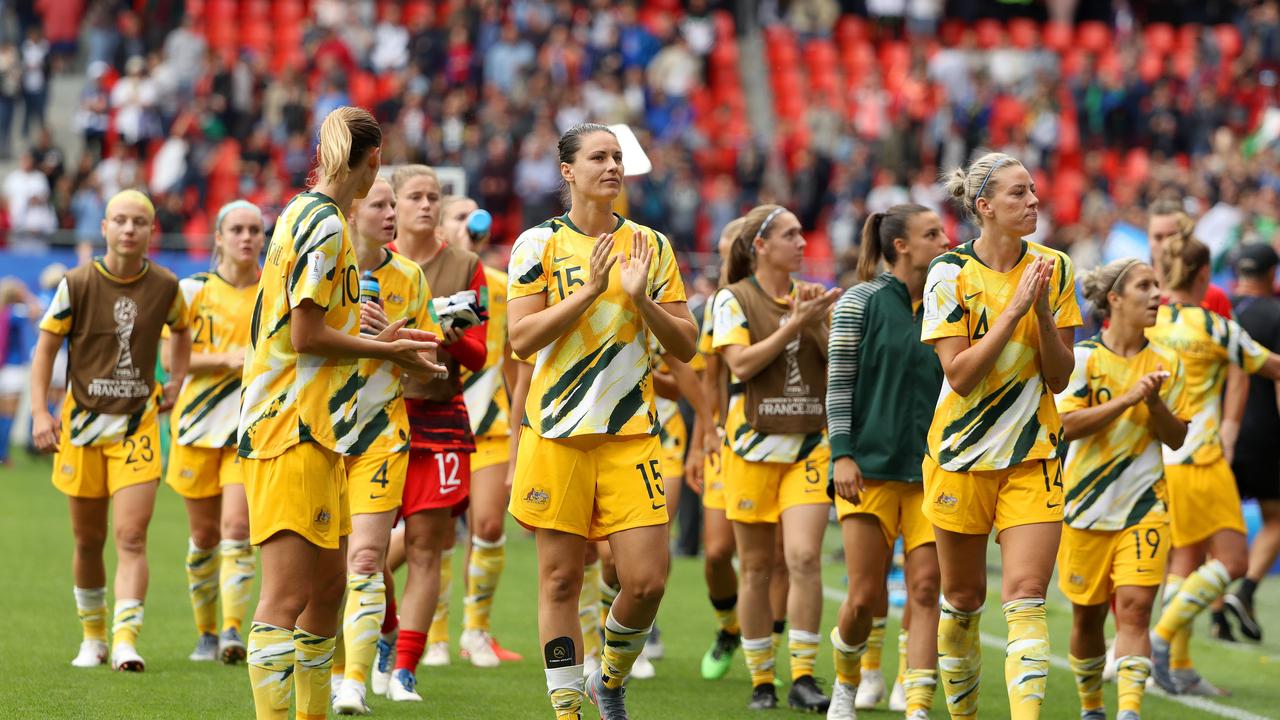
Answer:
[(713, 480), (99, 471), (972, 502), (896, 506), (758, 492), (491, 450), (375, 481), (302, 490), (1203, 500), (674, 438), (196, 473), (1093, 563), (591, 485)]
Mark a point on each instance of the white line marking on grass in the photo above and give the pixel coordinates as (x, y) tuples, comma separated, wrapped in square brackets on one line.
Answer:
[(1191, 701)]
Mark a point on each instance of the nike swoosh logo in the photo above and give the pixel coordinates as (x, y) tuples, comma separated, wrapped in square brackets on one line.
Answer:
[(1096, 377), (377, 497), (561, 259), (972, 296), (446, 491), (656, 506), (1052, 505), (1144, 570)]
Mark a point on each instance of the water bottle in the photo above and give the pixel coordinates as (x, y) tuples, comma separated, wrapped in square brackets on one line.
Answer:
[(478, 224), (370, 291)]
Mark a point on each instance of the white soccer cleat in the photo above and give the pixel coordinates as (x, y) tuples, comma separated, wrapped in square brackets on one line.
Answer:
[(206, 649), (870, 690), (125, 658), (643, 669), (350, 699), (92, 654), (842, 702), (1109, 669), (403, 687), (437, 655), (383, 663), (476, 647), (898, 697)]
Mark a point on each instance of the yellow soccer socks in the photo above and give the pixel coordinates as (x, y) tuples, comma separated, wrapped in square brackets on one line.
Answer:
[(362, 622), (959, 659), (589, 600), (759, 655), (270, 659), (202, 587), (848, 659), (1026, 660), (726, 610), (919, 686), (564, 678), (91, 606), (236, 569), (483, 571), (1132, 672), (439, 630), (127, 623), (875, 644), (802, 645), (1088, 672), (622, 645), (313, 658), (1196, 593)]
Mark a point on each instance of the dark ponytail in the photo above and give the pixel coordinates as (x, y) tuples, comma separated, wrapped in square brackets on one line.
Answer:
[(878, 234)]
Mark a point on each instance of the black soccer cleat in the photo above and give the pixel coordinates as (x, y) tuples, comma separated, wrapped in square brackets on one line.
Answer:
[(1220, 629), (763, 697), (805, 695), (1242, 611)]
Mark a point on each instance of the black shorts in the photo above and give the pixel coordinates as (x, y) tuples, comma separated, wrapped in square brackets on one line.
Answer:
[(1257, 477)]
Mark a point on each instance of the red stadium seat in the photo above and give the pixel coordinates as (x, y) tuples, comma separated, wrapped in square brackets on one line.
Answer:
[(1158, 38), (1093, 36), (852, 29), (1058, 37), (415, 10), (1024, 33), (363, 88), (723, 20), (1228, 38), (1188, 38), (288, 11), (990, 33)]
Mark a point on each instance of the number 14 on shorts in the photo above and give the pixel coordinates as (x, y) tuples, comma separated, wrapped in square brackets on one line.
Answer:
[(651, 474)]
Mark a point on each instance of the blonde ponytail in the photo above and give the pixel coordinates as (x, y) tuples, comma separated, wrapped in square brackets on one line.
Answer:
[(347, 136), (1182, 260)]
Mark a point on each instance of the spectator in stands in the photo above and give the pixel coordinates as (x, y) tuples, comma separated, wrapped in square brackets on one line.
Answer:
[(675, 69), (508, 59), (185, 50), (390, 43), (88, 208), (48, 156), (10, 93), (35, 80), (22, 186), (133, 98), (32, 232)]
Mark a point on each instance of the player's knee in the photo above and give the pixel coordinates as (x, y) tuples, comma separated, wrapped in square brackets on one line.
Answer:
[(803, 561), (206, 536), (756, 572), (966, 599), (131, 539), (719, 553), (90, 541), (328, 592), (1237, 564), (561, 585), (1027, 588), (1132, 612), (646, 589), (923, 591), (488, 529), (365, 561), (236, 529)]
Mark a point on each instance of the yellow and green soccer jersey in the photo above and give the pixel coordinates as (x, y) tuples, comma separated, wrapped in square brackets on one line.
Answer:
[(1207, 343), (729, 327), (86, 427), (1115, 477), (383, 419), (485, 392), (208, 409), (1010, 417), (595, 378), (291, 397)]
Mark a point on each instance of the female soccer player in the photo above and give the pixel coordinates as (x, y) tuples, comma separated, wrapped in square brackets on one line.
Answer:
[(589, 462), (378, 461), (882, 384), (204, 467), (1204, 503), (299, 417), (1125, 398), (999, 312), (111, 313), (717, 532), (772, 333), (441, 441)]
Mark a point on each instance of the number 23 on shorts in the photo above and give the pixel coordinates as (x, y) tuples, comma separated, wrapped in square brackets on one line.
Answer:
[(653, 469)]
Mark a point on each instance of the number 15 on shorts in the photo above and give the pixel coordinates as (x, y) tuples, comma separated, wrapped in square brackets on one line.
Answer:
[(653, 470)]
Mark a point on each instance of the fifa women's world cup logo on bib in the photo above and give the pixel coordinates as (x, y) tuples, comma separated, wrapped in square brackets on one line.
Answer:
[(796, 398), (796, 386), (125, 380)]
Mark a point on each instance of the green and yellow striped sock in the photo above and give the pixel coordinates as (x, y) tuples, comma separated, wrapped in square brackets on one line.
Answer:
[(1026, 658)]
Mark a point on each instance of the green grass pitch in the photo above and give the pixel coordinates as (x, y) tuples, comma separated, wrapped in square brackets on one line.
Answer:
[(40, 636)]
